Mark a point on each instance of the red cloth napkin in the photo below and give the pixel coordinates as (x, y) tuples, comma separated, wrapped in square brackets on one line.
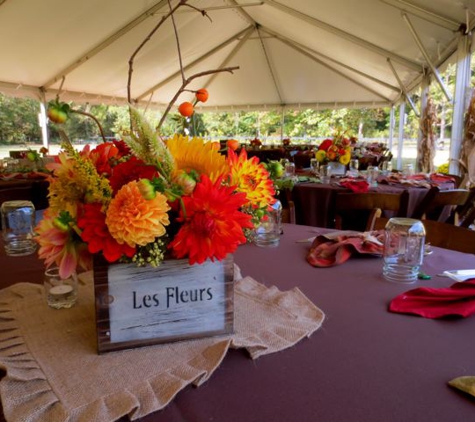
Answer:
[(329, 250), (441, 178), (418, 176), (357, 186), (458, 299)]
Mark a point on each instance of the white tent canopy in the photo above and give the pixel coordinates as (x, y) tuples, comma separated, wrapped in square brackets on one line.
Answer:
[(291, 53)]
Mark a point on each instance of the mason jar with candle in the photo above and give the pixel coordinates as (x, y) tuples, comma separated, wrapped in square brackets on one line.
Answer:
[(60, 292)]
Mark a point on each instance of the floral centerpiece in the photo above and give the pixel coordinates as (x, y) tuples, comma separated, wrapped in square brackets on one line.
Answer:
[(336, 150), (255, 143), (142, 199), (145, 198)]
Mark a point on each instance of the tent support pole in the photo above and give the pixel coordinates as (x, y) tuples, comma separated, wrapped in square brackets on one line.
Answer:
[(402, 115), (427, 58), (403, 89), (345, 35), (461, 101), (425, 14)]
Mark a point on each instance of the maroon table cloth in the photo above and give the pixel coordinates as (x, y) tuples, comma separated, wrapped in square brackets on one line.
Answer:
[(314, 201), (364, 364)]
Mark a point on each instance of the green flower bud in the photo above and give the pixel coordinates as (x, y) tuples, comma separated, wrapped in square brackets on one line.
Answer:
[(146, 188)]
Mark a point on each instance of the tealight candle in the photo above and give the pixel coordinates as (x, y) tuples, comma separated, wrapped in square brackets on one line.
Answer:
[(61, 291)]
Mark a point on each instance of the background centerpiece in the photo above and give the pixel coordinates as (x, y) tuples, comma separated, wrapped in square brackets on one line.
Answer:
[(335, 151)]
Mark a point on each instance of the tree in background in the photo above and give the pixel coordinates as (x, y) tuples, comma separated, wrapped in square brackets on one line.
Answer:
[(19, 120)]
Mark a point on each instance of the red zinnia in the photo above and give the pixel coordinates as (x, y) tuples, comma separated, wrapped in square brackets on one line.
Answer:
[(97, 236), (213, 224), (133, 169)]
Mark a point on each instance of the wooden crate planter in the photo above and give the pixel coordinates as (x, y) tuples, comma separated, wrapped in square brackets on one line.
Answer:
[(139, 306)]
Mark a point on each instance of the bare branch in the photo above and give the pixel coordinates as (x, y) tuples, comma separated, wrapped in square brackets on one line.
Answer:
[(132, 58), (186, 83), (202, 11), (93, 118), (177, 38)]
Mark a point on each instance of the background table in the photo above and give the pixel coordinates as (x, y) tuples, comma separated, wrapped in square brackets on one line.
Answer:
[(364, 364), (34, 189), (314, 202)]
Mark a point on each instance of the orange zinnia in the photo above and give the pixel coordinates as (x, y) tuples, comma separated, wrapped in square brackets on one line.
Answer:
[(134, 220)]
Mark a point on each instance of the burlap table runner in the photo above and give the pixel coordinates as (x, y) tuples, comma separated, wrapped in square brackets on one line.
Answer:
[(55, 374)]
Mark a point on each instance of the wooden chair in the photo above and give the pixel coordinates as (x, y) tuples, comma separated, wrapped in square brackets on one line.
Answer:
[(466, 212), (441, 205), (373, 204), (443, 235), (458, 180), (288, 206)]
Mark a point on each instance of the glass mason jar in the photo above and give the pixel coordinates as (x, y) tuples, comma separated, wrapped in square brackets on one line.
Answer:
[(403, 249), (267, 233), (18, 222)]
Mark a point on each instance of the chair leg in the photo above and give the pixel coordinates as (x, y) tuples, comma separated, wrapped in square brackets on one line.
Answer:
[(375, 213)]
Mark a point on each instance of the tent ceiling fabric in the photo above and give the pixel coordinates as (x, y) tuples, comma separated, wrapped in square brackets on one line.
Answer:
[(290, 53)]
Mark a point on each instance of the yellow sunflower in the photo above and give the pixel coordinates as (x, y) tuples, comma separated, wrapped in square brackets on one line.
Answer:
[(197, 155), (252, 178)]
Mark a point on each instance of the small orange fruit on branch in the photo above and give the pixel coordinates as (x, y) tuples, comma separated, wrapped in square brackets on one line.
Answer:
[(186, 109), (202, 95)]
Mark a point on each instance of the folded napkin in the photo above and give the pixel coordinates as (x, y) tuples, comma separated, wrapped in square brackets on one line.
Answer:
[(465, 383), (357, 186), (418, 176), (441, 178), (458, 299), (336, 248)]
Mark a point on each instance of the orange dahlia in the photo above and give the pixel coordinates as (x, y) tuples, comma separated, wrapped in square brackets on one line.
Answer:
[(213, 224), (252, 178), (134, 220)]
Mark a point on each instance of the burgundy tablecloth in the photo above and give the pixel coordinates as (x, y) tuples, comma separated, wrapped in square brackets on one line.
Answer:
[(314, 202), (365, 364)]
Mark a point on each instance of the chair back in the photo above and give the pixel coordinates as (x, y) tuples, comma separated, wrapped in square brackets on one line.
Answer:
[(466, 212), (443, 235), (441, 205), (347, 205), (288, 206)]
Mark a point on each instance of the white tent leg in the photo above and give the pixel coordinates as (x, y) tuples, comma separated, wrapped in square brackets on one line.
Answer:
[(402, 118), (43, 120), (392, 123), (461, 100), (282, 122)]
